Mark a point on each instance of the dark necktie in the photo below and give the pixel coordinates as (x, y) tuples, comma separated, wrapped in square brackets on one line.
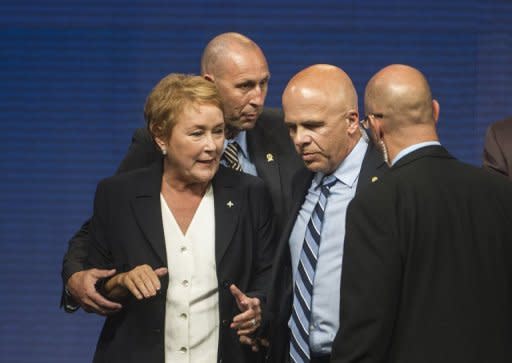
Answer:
[(305, 276), (230, 155)]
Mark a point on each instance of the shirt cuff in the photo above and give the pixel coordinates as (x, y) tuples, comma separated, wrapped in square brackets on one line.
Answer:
[(69, 304)]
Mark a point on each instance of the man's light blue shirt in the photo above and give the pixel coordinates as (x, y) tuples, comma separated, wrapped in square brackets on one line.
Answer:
[(412, 148), (243, 153), (326, 286)]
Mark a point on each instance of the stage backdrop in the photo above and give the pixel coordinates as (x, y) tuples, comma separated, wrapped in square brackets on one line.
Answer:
[(73, 80)]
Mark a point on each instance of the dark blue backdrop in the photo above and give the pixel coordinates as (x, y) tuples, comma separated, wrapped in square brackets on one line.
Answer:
[(74, 76)]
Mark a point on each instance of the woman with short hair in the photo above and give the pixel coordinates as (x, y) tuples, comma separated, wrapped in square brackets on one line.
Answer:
[(184, 235)]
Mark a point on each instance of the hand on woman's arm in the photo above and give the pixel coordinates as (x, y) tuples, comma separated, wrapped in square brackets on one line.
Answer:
[(142, 282)]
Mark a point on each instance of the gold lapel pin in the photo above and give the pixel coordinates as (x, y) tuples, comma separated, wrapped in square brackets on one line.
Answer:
[(230, 204), (374, 179), (270, 157)]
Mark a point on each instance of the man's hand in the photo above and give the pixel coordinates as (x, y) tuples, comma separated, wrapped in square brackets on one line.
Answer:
[(255, 343), (82, 287), (249, 320)]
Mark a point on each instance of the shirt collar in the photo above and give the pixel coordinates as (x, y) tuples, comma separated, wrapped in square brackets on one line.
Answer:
[(348, 170), (412, 148), (241, 140)]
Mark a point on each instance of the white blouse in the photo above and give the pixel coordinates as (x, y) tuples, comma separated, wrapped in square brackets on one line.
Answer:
[(192, 307)]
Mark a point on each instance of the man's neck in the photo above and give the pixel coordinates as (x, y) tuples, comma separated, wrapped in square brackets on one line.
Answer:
[(232, 132), (409, 137)]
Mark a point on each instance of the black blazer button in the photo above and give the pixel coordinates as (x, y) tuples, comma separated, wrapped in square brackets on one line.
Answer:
[(225, 322), (225, 284)]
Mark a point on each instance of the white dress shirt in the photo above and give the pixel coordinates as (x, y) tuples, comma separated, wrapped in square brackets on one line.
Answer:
[(326, 285)]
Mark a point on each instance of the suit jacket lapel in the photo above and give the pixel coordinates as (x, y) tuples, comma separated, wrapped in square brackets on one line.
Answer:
[(372, 168), (264, 156), (300, 185), (147, 208), (227, 202)]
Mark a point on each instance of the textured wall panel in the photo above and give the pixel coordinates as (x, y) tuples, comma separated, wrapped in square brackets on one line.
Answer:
[(74, 76)]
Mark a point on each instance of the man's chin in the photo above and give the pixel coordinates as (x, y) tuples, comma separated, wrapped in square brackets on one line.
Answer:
[(316, 166), (245, 122), (248, 124)]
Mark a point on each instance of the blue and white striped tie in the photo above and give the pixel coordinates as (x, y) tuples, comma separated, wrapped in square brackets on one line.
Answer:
[(303, 287)]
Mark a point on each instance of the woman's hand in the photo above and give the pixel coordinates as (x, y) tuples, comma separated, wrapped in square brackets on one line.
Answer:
[(142, 282)]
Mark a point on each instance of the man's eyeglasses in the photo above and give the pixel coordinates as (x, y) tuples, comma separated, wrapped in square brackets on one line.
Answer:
[(365, 122)]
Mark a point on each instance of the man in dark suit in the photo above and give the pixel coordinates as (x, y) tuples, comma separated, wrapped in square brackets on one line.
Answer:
[(321, 112), (498, 148), (239, 69), (427, 274)]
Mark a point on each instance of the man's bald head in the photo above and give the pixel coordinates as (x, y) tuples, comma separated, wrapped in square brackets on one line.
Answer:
[(224, 48), (320, 107), (402, 94), (323, 81), (401, 111)]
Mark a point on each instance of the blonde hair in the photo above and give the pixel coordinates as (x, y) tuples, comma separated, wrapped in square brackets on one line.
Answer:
[(167, 101)]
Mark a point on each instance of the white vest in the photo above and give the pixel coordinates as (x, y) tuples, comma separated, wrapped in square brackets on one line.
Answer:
[(192, 306)]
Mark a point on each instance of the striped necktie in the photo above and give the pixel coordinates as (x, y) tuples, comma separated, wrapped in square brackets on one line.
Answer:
[(305, 276), (230, 155)]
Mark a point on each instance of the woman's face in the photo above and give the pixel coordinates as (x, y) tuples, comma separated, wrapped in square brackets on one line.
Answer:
[(195, 145)]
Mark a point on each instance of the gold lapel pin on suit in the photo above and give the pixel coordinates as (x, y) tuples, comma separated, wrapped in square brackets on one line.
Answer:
[(270, 157), (374, 179), (230, 204)]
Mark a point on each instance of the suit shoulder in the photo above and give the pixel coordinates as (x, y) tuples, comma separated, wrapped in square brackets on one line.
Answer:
[(243, 182), (441, 173), (143, 137), (228, 176), (495, 181), (126, 178), (270, 132), (271, 120), (501, 126), (271, 116), (142, 133)]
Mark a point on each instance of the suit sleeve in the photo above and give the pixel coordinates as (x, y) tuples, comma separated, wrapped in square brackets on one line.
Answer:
[(74, 260), (99, 252), (370, 284), (494, 159), (141, 153)]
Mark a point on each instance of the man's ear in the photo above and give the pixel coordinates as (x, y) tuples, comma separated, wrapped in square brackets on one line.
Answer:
[(377, 126), (353, 121), (436, 109)]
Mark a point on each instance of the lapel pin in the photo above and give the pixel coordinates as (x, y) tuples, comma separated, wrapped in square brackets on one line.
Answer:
[(374, 179), (230, 204), (270, 157)]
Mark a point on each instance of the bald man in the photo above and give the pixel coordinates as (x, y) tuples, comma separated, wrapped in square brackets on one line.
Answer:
[(427, 274), (238, 67), (321, 113)]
